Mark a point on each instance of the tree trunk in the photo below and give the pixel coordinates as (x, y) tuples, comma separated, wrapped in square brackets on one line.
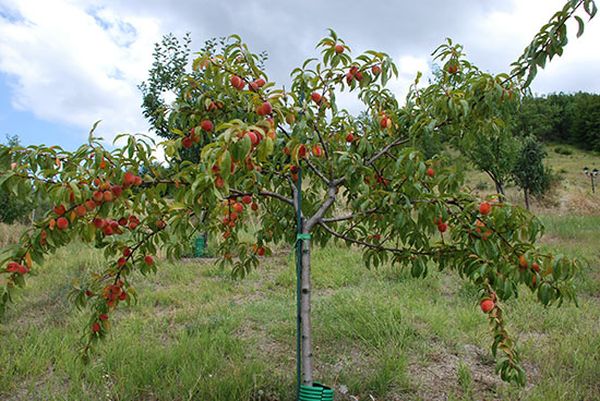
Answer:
[(307, 356), (526, 198), (499, 187)]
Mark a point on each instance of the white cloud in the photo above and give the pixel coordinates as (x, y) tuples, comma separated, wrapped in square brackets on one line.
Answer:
[(503, 34), (74, 62), (76, 66)]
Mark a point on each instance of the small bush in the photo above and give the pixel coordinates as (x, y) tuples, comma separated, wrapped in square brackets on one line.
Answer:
[(561, 150), (481, 186)]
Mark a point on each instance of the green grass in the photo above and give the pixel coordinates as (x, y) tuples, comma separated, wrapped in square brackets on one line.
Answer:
[(195, 334)]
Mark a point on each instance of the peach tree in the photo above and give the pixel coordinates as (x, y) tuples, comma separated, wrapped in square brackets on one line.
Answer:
[(307, 172)]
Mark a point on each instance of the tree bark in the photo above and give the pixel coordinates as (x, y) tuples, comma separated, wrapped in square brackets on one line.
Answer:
[(499, 187), (526, 198), (305, 293), (307, 356)]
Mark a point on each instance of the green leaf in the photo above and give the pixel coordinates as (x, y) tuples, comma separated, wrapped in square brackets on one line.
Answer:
[(581, 26)]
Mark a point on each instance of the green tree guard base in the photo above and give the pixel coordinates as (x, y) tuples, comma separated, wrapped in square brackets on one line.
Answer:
[(199, 246), (317, 392)]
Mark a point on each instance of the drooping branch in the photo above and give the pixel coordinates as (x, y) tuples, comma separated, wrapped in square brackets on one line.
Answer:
[(435, 251), (265, 193)]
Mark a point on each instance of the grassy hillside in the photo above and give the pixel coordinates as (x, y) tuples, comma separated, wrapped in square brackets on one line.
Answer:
[(198, 335), (572, 192)]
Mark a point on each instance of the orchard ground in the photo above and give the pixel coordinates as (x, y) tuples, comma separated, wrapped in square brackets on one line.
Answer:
[(196, 334)]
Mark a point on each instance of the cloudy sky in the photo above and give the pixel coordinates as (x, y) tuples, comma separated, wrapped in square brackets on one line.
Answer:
[(67, 63)]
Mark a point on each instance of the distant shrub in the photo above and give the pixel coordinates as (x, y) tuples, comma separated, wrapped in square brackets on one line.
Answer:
[(481, 186), (561, 150)]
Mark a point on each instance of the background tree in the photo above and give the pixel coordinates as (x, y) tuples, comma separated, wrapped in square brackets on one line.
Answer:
[(496, 155), (362, 184), (12, 207), (530, 173), (585, 122), (567, 118), (171, 58)]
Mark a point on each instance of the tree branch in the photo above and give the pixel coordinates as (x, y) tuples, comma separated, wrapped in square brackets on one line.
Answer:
[(318, 216), (383, 151), (317, 171), (266, 194), (384, 248)]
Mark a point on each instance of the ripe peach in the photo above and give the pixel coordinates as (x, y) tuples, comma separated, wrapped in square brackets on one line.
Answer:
[(485, 208), (80, 211), (264, 109), (90, 204), (385, 122), (59, 210), (452, 69), (62, 223), (253, 138), (148, 260), (236, 82), (98, 222), (187, 142), (487, 305), (108, 196), (339, 49), (442, 227), (128, 179), (247, 199), (316, 97), (430, 172), (207, 125), (523, 264), (98, 196), (349, 78), (350, 137), (117, 190), (302, 151)]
